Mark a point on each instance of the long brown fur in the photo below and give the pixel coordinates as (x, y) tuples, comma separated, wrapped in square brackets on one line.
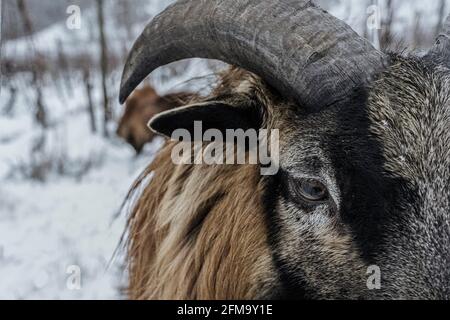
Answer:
[(199, 231)]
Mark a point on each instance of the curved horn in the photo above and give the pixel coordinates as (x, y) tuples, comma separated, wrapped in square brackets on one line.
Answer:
[(440, 52), (299, 49)]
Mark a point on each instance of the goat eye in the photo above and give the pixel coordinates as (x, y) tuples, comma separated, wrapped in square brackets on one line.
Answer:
[(312, 190)]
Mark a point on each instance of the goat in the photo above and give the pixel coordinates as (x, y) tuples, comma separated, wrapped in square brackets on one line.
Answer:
[(364, 179), (143, 105)]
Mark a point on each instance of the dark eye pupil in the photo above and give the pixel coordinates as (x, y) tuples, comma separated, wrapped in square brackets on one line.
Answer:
[(313, 190)]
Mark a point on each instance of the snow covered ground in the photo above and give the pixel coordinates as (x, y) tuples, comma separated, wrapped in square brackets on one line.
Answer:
[(54, 230), (47, 228)]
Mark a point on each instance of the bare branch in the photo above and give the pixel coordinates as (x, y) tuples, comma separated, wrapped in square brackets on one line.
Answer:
[(103, 65)]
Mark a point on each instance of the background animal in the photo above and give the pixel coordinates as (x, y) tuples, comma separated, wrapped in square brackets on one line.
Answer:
[(364, 162), (140, 107)]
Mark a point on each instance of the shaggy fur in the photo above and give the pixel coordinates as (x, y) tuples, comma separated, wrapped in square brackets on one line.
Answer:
[(183, 247)]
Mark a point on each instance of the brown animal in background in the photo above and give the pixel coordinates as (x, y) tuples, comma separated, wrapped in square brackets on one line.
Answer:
[(143, 105)]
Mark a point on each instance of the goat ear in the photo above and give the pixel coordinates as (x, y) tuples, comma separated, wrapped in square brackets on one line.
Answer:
[(218, 115)]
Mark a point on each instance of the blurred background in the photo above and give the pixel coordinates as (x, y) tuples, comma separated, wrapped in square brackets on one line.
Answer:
[(65, 168)]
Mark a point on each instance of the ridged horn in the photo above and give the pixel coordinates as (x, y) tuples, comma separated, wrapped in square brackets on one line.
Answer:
[(296, 47)]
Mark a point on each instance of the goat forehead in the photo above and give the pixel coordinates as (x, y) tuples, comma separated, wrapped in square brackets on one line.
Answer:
[(409, 114)]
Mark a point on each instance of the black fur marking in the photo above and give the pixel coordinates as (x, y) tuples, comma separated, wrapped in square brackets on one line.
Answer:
[(369, 195)]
